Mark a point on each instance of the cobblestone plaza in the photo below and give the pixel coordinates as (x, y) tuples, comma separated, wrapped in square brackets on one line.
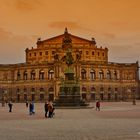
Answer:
[(115, 121)]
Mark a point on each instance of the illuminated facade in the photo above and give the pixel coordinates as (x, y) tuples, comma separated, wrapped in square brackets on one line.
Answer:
[(39, 77)]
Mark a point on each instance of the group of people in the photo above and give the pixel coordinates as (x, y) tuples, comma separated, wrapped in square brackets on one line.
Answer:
[(48, 107)]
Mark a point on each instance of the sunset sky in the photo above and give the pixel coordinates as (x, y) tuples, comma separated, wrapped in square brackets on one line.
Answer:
[(113, 23)]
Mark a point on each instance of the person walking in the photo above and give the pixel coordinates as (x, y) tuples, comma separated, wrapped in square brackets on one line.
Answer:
[(98, 105), (30, 108), (10, 106), (46, 108), (50, 109), (33, 108)]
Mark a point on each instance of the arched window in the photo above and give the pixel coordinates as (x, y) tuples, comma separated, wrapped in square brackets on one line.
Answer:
[(33, 75), (25, 74), (18, 90), (115, 75), (51, 89), (41, 74), (101, 89), (116, 90), (93, 89), (83, 74), (84, 89), (92, 75), (41, 97), (25, 90), (108, 74), (50, 74), (33, 90), (101, 74), (41, 89), (18, 75), (109, 90)]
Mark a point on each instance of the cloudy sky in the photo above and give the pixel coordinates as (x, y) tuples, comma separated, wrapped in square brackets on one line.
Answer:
[(113, 23)]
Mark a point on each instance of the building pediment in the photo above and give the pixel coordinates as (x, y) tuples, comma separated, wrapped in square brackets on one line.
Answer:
[(59, 40)]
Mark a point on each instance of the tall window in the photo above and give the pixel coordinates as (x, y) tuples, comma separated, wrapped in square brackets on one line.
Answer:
[(50, 74), (33, 75), (101, 89), (109, 90), (25, 75), (53, 52), (51, 89), (92, 74), (33, 90), (101, 74), (18, 90), (115, 75), (108, 75), (116, 90), (18, 75), (41, 74), (25, 97), (84, 89), (41, 89), (93, 89), (41, 97), (25, 90), (83, 74), (46, 53)]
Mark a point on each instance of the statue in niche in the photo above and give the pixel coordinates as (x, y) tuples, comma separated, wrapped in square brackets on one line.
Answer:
[(56, 57), (78, 57)]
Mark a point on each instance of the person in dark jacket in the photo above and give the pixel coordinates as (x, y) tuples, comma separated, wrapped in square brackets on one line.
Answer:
[(30, 108), (46, 108), (50, 109), (27, 104), (10, 106), (98, 105)]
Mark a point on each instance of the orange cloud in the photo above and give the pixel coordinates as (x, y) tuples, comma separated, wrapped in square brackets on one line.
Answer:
[(68, 24), (109, 35), (24, 5), (4, 34), (28, 4)]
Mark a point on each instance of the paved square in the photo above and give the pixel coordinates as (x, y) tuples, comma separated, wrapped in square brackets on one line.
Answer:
[(115, 121)]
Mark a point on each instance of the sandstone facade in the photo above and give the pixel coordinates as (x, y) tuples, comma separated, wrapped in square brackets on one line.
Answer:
[(39, 77)]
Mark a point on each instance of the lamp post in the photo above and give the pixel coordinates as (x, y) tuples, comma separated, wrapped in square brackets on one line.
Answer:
[(3, 102), (134, 97)]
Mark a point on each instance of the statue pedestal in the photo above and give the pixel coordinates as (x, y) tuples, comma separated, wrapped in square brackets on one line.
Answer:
[(69, 95)]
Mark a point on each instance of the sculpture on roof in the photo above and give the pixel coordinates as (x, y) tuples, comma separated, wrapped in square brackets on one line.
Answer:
[(67, 41)]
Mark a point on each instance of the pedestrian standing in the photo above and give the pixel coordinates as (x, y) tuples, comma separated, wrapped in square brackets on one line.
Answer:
[(98, 105), (50, 109), (33, 108), (30, 108), (27, 104), (10, 106)]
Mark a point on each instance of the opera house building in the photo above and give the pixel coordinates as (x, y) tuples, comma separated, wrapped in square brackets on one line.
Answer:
[(39, 78)]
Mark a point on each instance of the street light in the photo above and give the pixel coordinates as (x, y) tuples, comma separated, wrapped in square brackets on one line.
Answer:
[(134, 98), (3, 102)]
